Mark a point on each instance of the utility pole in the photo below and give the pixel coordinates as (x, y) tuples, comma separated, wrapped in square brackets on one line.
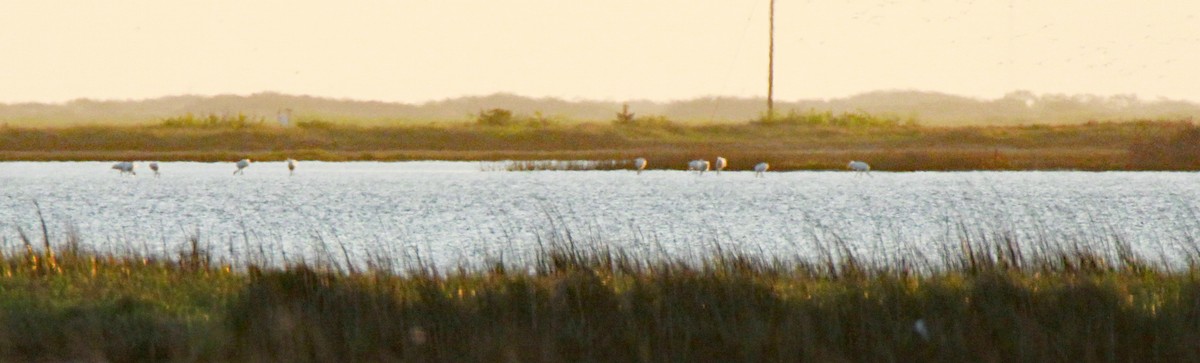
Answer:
[(771, 67)]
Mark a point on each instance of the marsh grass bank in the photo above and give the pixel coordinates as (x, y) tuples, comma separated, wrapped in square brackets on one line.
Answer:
[(994, 301), (791, 142)]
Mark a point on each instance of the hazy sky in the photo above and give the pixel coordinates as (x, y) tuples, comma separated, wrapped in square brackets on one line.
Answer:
[(413, 51)]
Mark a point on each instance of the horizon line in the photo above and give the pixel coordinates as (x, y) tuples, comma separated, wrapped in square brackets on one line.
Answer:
[(1135, 96)]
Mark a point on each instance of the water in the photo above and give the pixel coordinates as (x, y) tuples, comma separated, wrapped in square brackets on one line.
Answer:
[(462, 212)]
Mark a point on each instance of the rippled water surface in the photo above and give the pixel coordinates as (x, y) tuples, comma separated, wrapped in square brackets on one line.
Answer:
[(456, 212)]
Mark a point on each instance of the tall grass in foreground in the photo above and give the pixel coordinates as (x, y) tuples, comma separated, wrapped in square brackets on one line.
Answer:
[(989, 302)]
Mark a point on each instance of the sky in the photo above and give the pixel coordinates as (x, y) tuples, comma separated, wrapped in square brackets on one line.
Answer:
[(425, 50)]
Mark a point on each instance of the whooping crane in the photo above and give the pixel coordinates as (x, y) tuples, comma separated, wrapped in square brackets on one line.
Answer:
[(291, 166), (241, 164), (154, 167), (761, 168), (859, 167), (639, 164), (720, 164), (124, 167), (699, 166)]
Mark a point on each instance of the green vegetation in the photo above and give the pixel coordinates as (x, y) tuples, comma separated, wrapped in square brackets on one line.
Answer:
[(992, 301), (240, 121), (793, 141), (828, 118)]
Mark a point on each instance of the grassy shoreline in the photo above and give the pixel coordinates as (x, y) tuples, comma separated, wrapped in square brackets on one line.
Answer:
[(991, 302), (796, 144), (670, 159)]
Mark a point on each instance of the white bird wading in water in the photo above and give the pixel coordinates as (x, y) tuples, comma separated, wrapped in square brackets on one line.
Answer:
[(761, 168), (698, 166), (124, 167), (241, 164), (859, 167), (639, 164)]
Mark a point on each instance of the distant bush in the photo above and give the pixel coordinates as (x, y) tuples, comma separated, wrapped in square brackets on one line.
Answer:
[(495, 117), (540, 120), (315, 124), (504, 117), (624, 117), (213, 121), (828, 118), (628, 119), (650, 122)]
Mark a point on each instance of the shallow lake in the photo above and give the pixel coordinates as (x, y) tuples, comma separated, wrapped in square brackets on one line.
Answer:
[(465, 212)]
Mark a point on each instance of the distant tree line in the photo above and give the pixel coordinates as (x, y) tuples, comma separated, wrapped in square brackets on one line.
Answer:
[(927, 108)]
